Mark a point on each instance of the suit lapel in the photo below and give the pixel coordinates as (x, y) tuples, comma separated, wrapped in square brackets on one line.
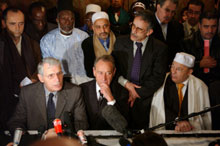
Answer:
[(94, 96), (41, 101), (61, 101), (130, 49)]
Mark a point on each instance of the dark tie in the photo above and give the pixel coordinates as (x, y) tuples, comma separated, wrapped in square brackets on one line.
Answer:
[(100, 98), (136, 67), (50, 111)]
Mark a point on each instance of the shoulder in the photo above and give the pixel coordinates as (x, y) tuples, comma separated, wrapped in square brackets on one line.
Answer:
[(79, 33), (32, 87), (88, 85), (197, 82), (88, 40), (51, 34)]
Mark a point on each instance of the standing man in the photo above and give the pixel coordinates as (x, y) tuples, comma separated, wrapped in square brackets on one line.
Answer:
[(64, 43), (166, 28), (194, 10), (181, 94), (42, 102), (101, 92), (142, 64), (17, 60), (101, 43)]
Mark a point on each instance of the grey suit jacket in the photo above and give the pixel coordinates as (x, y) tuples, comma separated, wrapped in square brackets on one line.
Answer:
[(31, 114)]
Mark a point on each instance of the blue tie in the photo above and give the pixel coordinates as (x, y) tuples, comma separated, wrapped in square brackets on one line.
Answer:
[(50, 111), (136, 67)]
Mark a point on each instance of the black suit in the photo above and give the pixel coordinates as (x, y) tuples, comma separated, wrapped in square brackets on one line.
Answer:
[(175, 33), (94, 108), (31, 113), (152, 74)]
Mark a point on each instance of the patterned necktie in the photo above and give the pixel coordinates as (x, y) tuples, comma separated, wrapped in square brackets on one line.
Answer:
[(50, 111), (180, 94), (136, 67)]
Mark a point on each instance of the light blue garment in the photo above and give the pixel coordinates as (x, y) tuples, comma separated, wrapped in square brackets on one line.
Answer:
[(67, 49)]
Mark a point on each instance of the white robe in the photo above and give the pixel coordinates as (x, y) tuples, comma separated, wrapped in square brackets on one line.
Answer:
[(198, 100)]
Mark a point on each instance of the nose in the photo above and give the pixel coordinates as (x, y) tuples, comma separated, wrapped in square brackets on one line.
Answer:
[(56, 78), (104, 77)]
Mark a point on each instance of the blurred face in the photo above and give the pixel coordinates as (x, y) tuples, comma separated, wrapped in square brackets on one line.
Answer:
[(136, 10), (193, 14), (103, 72), (117, 3), (65, 22), (208, 28), (166, 12), (179, 72), (52, 77), (88, 20), (101, 28), (15, 24), (139, 30), (39, 18)]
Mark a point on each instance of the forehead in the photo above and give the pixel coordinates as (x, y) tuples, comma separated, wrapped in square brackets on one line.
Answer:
[(195, 7), (104, 66), (38, 11), (176, 64), (139, 22), (15, 16), (206, 21), (66, 13), (169, 4), (101, 21), (49, 69)]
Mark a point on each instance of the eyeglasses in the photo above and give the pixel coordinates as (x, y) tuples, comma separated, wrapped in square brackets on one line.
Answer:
[(178, 69), (138, 29), (193, 12)]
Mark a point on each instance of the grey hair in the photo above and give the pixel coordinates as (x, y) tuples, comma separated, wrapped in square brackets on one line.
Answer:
[(49, 60)]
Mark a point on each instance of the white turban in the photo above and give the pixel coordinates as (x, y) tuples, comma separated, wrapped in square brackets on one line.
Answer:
[(92, 8), (185, 59), (99, 15)]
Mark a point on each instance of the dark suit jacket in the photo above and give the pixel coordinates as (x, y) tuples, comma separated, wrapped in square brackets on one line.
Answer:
[(89, 55), (175, 33), (31, 113), (94, 110), (152, 74)]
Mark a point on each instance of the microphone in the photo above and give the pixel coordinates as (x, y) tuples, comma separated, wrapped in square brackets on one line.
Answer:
[(68, 124), (17, 136), (58, 127)]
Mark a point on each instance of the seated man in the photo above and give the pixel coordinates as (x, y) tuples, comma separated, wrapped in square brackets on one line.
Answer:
[(101, 92), (181, 94), (42, 102)]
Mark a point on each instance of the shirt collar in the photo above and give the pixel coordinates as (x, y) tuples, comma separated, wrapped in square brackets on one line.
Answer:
[(102, 41), (47, 92)]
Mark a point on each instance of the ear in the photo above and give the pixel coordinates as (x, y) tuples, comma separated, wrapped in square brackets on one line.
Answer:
[(114, 71), (40, 78), (57, 20), (94, 72), (3, 23), (190, 71), (149, 32)]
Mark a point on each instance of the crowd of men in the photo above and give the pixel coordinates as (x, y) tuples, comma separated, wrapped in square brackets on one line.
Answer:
[(49, 69)]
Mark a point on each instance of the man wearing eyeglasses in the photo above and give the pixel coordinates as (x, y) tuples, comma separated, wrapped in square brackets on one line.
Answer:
[(181, 94), (141, 61), (42, 102), (166, 28), (194, 10)]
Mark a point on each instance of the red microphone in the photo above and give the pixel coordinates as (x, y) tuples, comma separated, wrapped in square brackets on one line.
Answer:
[(58, 127)]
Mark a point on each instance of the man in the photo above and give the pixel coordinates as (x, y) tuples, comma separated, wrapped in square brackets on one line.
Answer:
[(181, 94), (194, 10), (142, 63), (166, 29), (90, 10), (101, 43), (195, 46), (118, 17), (18, 60), (101, 92), (42, 102), (64, 43), (37, 25)]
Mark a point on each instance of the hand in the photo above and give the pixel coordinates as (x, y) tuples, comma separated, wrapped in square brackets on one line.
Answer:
[(106, 91), (10, 144), (183, 126), (50, 133), (208, 62), (132, 92)]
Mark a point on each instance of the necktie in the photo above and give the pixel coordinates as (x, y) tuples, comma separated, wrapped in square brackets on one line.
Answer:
[(116, 17), (180, 94), (100, 98), (163, 27), (50, 111), (105, 45), (136, 67)]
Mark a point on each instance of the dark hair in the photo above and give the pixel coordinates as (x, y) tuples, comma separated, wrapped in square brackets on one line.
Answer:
[(150, 139), (161, 2), (208, 15), (197, 3), (105, 58), (35, 5), (147, 16), (12, 9)]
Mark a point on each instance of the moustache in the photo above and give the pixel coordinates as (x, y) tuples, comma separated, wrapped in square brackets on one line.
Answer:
[(104, 33), (134, 35)]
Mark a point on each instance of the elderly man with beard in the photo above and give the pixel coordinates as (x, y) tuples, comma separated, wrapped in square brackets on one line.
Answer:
[(194, 10), (101, 43), (64, 43), (181, 94), (141, 61)]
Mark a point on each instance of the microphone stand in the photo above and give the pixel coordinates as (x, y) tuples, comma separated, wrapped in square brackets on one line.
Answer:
[(183, 118)]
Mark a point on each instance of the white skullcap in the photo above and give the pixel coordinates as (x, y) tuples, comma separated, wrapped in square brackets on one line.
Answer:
[(92, 8), (99, 15), (139, 4), (185, 59)]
